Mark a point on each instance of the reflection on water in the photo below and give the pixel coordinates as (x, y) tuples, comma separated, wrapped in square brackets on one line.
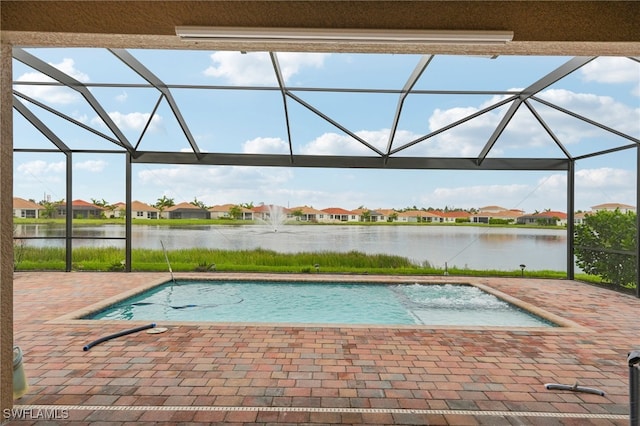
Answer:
[(504, 237), (460, 246)]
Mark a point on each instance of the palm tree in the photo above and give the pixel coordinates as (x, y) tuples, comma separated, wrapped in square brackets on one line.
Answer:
[(105, 205), (163, 203), (49, 208), (199, 203)]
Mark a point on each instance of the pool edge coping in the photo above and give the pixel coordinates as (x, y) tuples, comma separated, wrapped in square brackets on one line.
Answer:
[(563, 325)]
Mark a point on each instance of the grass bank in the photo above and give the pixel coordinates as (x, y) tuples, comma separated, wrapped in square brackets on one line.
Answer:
[(257, 260)]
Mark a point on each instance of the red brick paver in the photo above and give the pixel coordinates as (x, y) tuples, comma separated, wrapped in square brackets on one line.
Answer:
[(264, 374)]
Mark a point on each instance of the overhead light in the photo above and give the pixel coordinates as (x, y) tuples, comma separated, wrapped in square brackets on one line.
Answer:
[(320, 35)]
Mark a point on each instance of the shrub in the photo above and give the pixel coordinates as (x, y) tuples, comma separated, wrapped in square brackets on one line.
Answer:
[(605, 245)]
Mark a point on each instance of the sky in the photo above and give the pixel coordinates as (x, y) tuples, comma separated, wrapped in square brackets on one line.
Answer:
[(606, 90)]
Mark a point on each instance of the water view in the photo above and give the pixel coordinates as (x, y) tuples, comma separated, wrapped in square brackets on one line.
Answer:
[(475, 247)]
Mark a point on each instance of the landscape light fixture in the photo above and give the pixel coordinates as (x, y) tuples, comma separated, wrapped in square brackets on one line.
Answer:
[(347, 35)]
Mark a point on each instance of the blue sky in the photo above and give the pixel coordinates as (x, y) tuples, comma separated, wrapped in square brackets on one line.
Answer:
[(606, 90)]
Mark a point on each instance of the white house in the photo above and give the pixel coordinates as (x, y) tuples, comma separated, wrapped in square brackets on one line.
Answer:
[(417, 216), (307, 214), (139, 210), (337, 214), (223, 211), (624, 208), (495, 212), (26, 209)]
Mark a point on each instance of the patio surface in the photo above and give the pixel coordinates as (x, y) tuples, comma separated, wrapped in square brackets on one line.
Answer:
[(297, 374)]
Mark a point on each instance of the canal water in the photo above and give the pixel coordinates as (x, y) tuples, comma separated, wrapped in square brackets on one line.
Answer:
[(474, 247)]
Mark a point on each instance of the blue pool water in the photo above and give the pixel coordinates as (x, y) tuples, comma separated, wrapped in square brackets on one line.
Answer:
[(321, 303)]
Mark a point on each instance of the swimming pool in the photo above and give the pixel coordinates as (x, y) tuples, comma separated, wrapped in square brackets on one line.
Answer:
[(320, 303)]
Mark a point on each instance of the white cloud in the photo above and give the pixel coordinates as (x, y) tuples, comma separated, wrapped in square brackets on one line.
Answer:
[(67, 66), (477, 195), (604, 178), (215, 185), (83, 118), (95, 166), (53, 94), (524, 131), (611, 70), (466, 140), (34, 177), (335, 144), (603, 109), (592, 186), (292, 63), (256, 67), (39, 168), (122, 97), (133, 121), (340, 144), (265, 146)]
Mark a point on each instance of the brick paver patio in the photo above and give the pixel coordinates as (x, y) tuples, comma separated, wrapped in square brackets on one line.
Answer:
[(297, 374)]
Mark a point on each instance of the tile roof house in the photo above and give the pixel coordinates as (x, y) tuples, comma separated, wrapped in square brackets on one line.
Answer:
[(453, 216), (80, 209), (544, 218), (624, 208), (418, 216), (307, 214), (119, 210), (139, 210), (578, 218), (337, 214), (185, 211), (26, 209), (388, 215), (484, 216), (223, 212), (491, 209), (366, 215)]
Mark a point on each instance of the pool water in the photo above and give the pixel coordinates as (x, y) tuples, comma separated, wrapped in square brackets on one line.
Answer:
[(321, 303)]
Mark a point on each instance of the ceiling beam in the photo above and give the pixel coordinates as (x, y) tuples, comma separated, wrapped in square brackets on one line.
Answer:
[(39, 125), (145, 73), (334, 123), (341, 162), (586, 120), (411, 81), (283, 93), (548, 129), (70, 82)]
